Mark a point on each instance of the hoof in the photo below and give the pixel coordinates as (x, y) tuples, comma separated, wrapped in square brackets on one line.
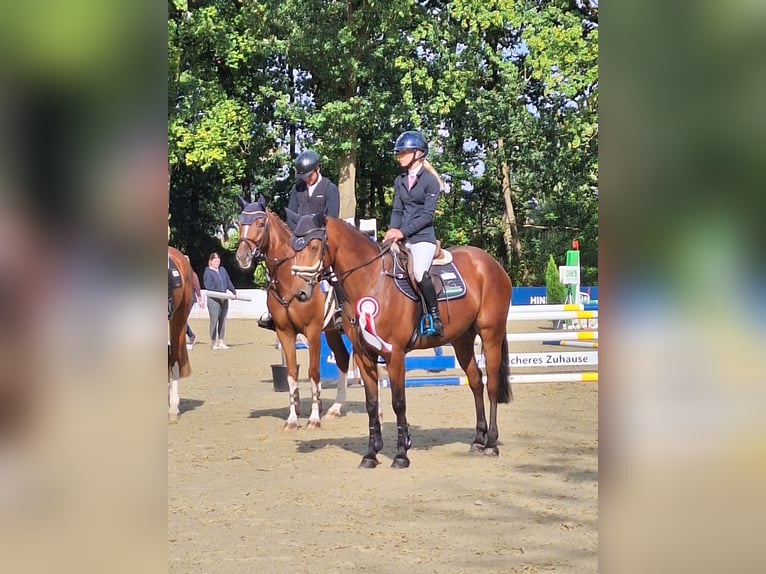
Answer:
[(291, 427), (401, 462), (492, 451), (477, 447), (333, 413), (368, 463), (172, 418), (314, 424)]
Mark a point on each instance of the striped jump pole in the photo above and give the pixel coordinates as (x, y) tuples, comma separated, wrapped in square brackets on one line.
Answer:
[(543, 315), (580, 344), (563, 336), (513, 309)]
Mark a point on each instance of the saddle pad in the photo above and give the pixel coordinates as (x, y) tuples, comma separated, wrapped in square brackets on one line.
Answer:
[(174, 274), (447, 280)]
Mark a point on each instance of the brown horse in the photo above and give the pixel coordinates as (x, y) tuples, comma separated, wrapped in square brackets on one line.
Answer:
[(386, 322), (262, 234), (181, 305)]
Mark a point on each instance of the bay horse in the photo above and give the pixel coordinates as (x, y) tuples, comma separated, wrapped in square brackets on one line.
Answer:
[(386, 322), (263, 235), (181, 301)]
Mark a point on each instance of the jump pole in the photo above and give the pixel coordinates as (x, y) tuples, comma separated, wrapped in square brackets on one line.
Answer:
[(513, 309), (581, 344), (219, 295), (587, 377)]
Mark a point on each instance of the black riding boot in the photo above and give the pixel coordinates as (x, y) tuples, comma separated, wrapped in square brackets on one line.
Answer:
[(338, 316), (340, 299), (429, 294)]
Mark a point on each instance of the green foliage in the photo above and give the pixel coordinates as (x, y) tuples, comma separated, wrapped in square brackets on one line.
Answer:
[(260, 279), (252, 83), (555, 290)]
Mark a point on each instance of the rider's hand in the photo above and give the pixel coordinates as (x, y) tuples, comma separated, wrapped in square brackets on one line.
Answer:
[(393, 235)]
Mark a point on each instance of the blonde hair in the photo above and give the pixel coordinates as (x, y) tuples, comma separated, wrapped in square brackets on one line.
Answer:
[(427, 165)]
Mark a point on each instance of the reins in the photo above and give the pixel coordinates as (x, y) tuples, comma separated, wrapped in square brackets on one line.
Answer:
[(385, 248)]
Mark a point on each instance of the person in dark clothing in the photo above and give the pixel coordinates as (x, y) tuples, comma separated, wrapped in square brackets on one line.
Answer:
[(216, 279), (416, 191), (312, 193), (196, 298)]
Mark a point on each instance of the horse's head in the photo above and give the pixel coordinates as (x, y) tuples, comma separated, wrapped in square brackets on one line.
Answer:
[(309, 240), (253, 226)]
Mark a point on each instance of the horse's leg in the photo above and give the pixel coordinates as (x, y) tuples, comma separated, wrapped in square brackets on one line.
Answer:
[(335, 342), (368, 368), (178, 361), (287, 340), (498, 390), (399, 403), (465, 356), (174, 399), (314, 342)]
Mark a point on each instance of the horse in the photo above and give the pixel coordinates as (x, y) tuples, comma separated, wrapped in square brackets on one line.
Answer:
[(263, 235), (181, 301), (386, 322)]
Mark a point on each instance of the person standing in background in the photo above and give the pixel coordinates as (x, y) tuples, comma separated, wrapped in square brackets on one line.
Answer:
[(197, 295), (216, 279)]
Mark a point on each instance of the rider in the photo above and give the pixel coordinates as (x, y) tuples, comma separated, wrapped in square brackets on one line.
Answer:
[(416, 191), (312, 193)]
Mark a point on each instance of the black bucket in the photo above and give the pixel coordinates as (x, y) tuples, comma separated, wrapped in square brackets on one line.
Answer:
[(279, 377)]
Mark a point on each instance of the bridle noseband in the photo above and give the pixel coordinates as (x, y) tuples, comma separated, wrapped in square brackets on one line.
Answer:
[(246, 219), (311, 273)]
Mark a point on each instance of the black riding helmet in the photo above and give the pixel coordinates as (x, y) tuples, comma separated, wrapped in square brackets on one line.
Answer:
[(305, 163), (411, 140)]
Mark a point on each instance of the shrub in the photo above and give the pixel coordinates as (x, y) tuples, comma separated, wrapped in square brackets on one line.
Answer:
[(259, 276), (555, 290)]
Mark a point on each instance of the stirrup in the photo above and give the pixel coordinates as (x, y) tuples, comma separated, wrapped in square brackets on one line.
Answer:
[(427, 325)]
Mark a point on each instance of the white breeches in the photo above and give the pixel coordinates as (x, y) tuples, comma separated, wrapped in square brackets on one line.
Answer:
[(422, 256)]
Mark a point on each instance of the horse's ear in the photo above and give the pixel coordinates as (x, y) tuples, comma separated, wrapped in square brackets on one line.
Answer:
[(319, 219), (241, 201), (262, 200), (292, 217)]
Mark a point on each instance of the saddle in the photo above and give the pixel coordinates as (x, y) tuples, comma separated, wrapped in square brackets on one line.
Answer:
[(448, 282), (174, 281)]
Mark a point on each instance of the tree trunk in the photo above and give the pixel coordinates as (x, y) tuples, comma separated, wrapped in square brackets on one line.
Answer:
[(510, 227), (347, 181)]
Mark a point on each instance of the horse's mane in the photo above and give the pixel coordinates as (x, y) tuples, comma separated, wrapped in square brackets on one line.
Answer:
[(357, 231), (280, 220)]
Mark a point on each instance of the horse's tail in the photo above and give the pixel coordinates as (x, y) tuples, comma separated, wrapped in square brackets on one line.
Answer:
[(504, 392)]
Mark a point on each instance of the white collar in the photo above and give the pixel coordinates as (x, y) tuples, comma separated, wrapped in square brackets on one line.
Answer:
[(311, 188)]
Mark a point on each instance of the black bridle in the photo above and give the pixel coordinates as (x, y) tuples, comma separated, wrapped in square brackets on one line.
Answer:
[(312, 274), (246, 219), (258, 252)]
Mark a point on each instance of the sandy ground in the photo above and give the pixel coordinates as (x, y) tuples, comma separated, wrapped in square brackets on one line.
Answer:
[(244, 496)]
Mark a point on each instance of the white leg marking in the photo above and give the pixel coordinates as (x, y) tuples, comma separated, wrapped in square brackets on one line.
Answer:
[(292, 418), (174, 398), (335, 410), (316, 390)]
